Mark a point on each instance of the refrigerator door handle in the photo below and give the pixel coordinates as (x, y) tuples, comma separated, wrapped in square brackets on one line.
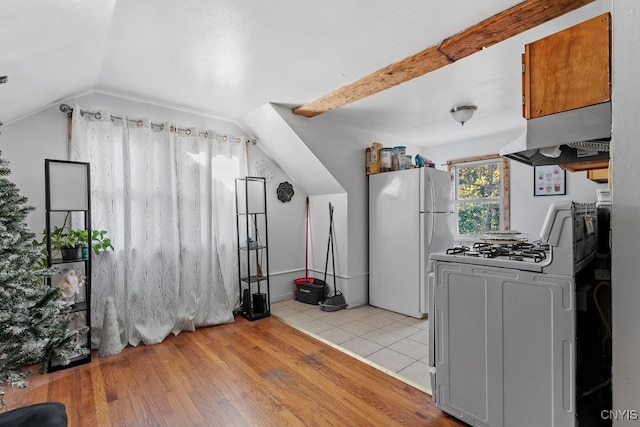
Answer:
[(431, 232), (433, 195), (427, 233), (431, 192)]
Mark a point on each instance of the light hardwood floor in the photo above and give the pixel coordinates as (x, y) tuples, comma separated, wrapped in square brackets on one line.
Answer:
[(262, 373)]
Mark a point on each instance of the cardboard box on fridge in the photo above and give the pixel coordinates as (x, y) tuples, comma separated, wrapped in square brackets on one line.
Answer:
[(374, 164)]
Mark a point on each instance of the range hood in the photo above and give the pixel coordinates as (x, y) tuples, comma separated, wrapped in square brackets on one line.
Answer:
[(572, 136)]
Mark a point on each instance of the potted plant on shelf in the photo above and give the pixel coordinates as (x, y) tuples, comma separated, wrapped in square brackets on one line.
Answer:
[(68, 242), (99, 241), (71, 243)]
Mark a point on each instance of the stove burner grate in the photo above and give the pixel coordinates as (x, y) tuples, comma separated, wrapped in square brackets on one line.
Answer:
[(520, 251), (457, 250), (488, 250), (537, 255)]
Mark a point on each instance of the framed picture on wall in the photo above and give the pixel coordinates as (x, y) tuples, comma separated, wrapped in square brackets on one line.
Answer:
[(549, 181)]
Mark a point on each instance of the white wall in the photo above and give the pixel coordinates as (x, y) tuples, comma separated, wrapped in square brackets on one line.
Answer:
[(281, 143), (340, 148), (286, 222), (527, 212), (27, 142), (626, 207), (320, 251)]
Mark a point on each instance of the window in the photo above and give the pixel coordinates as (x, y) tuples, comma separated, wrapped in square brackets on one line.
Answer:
[(481, 195)]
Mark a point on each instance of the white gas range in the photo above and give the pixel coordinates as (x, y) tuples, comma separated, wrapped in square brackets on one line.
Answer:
[(502, 324), (521, 255), (567, 243)]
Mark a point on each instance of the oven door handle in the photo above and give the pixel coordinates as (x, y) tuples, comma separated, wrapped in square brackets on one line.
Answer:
[(431, 280)]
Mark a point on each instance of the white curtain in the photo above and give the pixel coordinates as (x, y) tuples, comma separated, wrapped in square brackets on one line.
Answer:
[(167, 201)]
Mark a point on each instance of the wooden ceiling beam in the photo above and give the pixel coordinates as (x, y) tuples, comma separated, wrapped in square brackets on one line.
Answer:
[(500, 27)]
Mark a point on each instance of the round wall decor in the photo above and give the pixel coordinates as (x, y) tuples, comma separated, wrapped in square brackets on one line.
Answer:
[(285, 192), (263, 168)]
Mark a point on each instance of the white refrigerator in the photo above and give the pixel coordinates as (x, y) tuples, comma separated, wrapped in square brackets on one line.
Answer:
[(410, 216)]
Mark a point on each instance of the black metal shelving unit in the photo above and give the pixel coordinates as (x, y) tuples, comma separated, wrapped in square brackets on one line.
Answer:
[(67, 193), (253, 247)]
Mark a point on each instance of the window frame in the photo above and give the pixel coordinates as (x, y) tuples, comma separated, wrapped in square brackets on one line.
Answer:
[(453, 165)]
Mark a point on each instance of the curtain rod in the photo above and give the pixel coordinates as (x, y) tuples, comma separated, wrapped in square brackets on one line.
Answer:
[(65, 108)]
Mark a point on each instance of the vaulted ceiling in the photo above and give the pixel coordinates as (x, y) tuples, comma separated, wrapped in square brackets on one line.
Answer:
[(226, 58)]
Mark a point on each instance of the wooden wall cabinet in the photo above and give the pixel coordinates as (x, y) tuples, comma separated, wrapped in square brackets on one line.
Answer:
[(567, 70), (598, 175), (597, 170)]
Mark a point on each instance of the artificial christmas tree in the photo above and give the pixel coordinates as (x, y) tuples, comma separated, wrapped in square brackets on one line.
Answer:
[(33, 315)]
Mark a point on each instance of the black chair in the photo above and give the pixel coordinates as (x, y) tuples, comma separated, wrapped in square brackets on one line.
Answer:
[(48, 414)]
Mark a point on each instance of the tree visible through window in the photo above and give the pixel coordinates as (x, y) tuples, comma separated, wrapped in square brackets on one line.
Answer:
[(480, 196)]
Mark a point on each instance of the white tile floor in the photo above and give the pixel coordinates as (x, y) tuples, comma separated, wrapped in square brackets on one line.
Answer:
[(391, 342)]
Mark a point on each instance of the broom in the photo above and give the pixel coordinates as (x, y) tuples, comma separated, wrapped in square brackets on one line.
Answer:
[(336, 301), (306, 278)]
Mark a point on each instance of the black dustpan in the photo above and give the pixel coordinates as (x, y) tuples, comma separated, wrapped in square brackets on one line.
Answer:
[(336, 301)]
